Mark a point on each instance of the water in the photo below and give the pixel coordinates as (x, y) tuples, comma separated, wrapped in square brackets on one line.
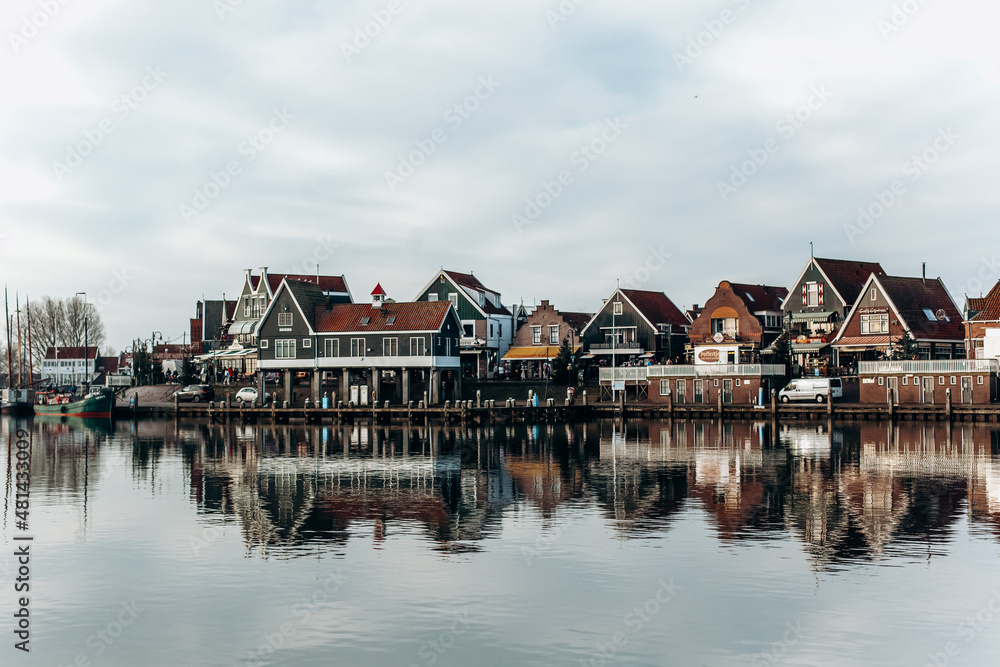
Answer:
[(691, 543)]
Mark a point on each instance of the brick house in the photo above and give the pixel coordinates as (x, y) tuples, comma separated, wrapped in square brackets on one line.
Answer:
[(968, 381), (737, 323), (537, 341), (887, 308), (982, 325)]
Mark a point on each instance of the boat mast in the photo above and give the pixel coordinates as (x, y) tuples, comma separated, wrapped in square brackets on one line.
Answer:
[(31, 368), (17, 309), (6, 321)]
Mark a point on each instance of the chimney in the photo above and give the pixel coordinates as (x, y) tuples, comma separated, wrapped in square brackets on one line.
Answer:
[(263, 274), (923, 272)]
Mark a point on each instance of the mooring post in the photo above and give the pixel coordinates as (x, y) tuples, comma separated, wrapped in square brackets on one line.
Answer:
[(720, 403), (670, 403), (947, 403), (892, 405), (829, 400)]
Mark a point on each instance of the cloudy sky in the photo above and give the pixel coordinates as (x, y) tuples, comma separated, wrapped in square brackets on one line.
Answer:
[(150, 151)]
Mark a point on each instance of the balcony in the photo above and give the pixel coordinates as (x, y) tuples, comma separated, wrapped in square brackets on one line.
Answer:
[(472, 343), (932, 366), (691, 370)]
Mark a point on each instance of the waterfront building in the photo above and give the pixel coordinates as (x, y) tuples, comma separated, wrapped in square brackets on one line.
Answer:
[(691, 384), (817, 305), (888, 308), (538, 340), (487, 325), (71, 365), (737, 324), (982, 325), (636, 326), (361, 353), (209, 327), (929, 381)]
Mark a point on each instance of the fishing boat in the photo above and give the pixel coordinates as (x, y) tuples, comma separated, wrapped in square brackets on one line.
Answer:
[(97, 403), (16, 401)]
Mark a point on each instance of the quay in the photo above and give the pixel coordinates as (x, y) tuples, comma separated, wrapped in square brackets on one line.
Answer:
[(511, 411)]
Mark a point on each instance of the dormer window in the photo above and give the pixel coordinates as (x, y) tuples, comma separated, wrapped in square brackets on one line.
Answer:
[(365, 321), (391, 320)]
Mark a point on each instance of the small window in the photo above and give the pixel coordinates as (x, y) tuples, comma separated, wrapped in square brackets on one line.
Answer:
[(618, 308), (391, 320), (941, 380), (453, 297), (263, 343), (905, 379), (715, 383), (737, 382), (307, 342), (432, 297), (979, 380), (881, 381), (873, 295), (953, 380), (664, 387), (284, 319), (365, 321)]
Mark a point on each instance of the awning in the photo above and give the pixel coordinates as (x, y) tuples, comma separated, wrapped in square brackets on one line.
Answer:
[(647, 355), (808, 347), (863, 341), (586, 356), (532, 353), (241, 328)]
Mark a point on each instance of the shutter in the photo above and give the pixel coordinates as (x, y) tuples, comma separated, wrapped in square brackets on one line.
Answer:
[(805, 295), (820, 287)]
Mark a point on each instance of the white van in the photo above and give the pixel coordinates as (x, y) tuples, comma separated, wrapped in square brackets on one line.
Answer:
[(811, 389)]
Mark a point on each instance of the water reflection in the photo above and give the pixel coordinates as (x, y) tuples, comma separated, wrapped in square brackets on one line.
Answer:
[(865, 492)]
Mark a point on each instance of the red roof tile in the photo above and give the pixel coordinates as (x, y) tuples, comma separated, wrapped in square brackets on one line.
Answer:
[(848, 276), (72, 352), (410, 316), (656, 307), (989, 306), (911, 296)]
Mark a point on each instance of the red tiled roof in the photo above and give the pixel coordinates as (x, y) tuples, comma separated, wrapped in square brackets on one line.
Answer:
[(576, 320), (760, 297), (848, 276), (989, 308), (72, 352), (911, 296), (656, 307), (110, 364), (410, 316)]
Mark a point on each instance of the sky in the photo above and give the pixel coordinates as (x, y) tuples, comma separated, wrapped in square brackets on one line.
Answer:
[(151, 151)]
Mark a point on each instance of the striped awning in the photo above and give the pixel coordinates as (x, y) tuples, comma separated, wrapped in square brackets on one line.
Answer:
[(863, 341), (244, 327), (533, 353)]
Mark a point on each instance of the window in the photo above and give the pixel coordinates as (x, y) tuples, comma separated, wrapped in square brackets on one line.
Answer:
[(357, 347), (881, 381), (905, 378), (307, 342), (284, 349), (553, 334), (699, 391), (247, 308), (491, 330), (953, 380), (432, 297), (390, 347), (664, 387), (814, 294), (725, 325), (331, 347), (468, 330), (536, 334), (284, 319), (365, 321), (618, 308), (715, 383), (681, 391), (873, 294), (391, 320), (418, 346), (453, 297), (875, 324), (941, 380), (979, 379), (447, 346), (737, 382)]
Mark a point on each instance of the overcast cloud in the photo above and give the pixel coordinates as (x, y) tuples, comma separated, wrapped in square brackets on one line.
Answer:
[(265, 133)]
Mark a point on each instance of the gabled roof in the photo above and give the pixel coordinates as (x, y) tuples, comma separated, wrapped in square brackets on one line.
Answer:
[(470, 284), (916, 302), (760, 297), (988, 306), (72, 352), (409, 316), (656, 307), (846, 276), (326, 283), (576, 320)]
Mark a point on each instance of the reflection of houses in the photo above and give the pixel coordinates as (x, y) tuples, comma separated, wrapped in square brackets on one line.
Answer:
[(537, 341), (982, 325), (889, 307), (636, 325), (820, 300), (737, 323), (362, 353), (487, 325)]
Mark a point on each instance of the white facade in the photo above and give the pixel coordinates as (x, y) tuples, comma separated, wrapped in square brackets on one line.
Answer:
[(991, 344), (68, 371)]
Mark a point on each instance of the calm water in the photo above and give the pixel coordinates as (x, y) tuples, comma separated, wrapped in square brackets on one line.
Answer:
[(691, 543)]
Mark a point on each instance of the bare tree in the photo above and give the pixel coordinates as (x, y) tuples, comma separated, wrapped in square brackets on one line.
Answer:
[(61, 323), (48, 320), (82, 324)]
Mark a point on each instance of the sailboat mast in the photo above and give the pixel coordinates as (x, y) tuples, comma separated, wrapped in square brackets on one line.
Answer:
[(17, 309), (31, 368), (6, 322)]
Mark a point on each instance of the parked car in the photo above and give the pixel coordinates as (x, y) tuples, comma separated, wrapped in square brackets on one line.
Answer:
[(812, 389), (196, 393), (249, 395), (272, 377)]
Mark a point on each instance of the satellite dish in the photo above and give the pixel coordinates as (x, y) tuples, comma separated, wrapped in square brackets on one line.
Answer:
[(941, 315)]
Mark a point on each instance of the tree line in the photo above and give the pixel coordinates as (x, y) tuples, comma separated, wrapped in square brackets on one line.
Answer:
[(55, 322)]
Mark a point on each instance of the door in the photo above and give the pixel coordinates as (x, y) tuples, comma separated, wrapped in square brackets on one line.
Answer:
[(364, 394), (927, 390), (727, 391), (891, 390), (699, 391), (682, 391), (967, 390), (354, 394)]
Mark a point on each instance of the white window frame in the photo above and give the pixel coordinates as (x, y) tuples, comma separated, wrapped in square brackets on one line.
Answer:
[(390, 346), (664, 387), (358, 347), (263, 343), (453, 297), (618, 308), (285, 319), (553, 340), (418, 346), (307, 343), (284, 348), (536, 334), (331, 347)]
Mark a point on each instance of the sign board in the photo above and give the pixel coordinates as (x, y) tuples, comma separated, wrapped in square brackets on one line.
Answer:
[(868, 380), (709, 356), (618, 385), (718, 337)]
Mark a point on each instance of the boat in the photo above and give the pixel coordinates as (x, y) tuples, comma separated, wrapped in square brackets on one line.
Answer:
[(16, 401), (96, 403)]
